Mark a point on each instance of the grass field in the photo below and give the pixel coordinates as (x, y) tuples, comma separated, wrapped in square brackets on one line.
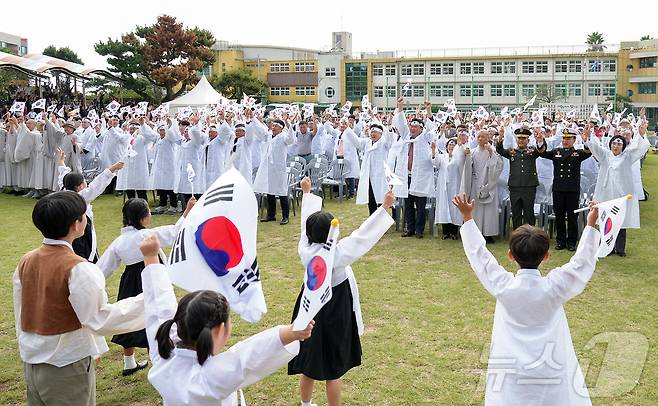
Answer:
[(428, 320)]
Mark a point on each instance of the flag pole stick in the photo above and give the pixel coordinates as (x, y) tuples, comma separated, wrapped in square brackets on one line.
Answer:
[(582, 209)]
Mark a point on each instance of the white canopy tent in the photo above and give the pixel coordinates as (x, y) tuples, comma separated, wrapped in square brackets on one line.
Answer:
[(203, 94)]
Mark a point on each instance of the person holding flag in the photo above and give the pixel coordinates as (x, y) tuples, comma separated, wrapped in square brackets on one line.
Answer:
[(335, 347), (615, 173)]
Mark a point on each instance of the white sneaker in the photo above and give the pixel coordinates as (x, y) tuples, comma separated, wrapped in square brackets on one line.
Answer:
[(159, 210), (172, 210)]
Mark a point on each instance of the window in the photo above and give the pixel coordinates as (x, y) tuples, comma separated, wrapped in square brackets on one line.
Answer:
[(279, 91), (561, 89), (304, 66), (377, 70), (418, 90), (561, 66), (496, 67), (575, 89), (478, 90), (465, 68), (435, 69), (279, 67), (448, 69), (356, 80), (528, 67), (575, 66), (594, 66), (648, 62), (405, 69), (378, 91), (509, 67), (390, 70), (305, 91), (594, 89), (329, 71), (465, 90), (496, 90), (541, 67), (509, 90), (419, 69), (391, 91), (330, 92), (528, 90), (448, 91), (608, 89), (609, 65), (435, 90), (478, 68), (648, 88)]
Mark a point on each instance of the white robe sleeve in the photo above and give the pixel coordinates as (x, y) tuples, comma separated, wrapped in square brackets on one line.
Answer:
[(357, 244), (166, 234), (570, 280), (62, 171), (109, 261), (97, 186), (492, 276), (159, 304), (89, 301), (310, 204)]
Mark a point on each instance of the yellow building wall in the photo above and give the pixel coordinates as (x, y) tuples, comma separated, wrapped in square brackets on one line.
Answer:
[(262, 70), (226, 60), (624, 76)]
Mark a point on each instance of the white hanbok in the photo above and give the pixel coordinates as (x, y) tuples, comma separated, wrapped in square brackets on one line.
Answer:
[(372, 167), (482, 171), (163, 172), (532, 361), (271, 177), (447, 185), (135, 174), (190, 151)]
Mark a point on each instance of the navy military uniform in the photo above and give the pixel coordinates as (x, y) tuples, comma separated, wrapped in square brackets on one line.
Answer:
[(566, 189), (522, 180)]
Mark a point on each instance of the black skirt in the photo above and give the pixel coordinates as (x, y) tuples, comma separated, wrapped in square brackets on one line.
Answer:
[(131, 286), (334, 346)]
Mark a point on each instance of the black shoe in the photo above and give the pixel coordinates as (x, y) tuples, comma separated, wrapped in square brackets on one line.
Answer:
[(454, 236), (621, 254), (445, 236), (489, 240), (571, 248), (560, 247), (407, 234), (284, 221), (267, 219), (131, 371), (419, 236)]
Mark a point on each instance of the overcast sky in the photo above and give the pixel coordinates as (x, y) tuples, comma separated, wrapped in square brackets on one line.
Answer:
[(375, 25)]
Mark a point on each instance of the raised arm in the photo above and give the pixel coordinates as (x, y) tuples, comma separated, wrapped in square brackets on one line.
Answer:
[(357, 244)]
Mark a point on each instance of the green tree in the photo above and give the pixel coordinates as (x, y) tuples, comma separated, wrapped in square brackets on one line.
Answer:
[(595, 41), (646, 38), (64, 53), (548, 94), (234, 83), (164, 55), (621, 102)]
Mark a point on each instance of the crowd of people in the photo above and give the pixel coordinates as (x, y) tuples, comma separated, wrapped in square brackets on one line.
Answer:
[(468, 166)]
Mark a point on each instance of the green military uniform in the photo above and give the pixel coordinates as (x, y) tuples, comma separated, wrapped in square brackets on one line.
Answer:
[(522, 180)]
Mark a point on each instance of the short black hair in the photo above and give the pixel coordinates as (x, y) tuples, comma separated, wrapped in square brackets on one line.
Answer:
[(134, 210), (529, 246), (55, 213), (317, 227), (72, 180)]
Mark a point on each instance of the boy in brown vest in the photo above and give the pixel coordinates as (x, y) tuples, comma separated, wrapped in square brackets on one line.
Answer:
[(61, 308)]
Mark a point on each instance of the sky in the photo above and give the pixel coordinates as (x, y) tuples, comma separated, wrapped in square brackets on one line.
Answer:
[(375, 25)]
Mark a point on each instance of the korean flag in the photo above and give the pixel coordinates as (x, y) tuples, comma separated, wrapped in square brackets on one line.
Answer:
[(611, 217), (216, 246), (317, 280)]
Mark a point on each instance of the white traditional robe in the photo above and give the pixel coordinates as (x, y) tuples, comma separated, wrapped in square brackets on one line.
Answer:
[(616, 178), (372, 167), (3, 163), (272, 177), (11, 166), (24, 153), (215, 152), (349, 154), (447, 185), (480, 182), (422, 170), (55, 137), (114, 146), (240, 149), (180, 380), (163, 170), (38, 178), (191, 152), (532, 361), (135, 174)]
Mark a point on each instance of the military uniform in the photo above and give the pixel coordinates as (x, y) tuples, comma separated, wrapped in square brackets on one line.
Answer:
[(522, 180), (566, 189)]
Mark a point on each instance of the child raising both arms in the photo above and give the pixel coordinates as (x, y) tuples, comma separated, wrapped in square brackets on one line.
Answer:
[(532, 360), (186, 340)]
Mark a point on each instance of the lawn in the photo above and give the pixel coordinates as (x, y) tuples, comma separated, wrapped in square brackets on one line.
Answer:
[(428, 320)]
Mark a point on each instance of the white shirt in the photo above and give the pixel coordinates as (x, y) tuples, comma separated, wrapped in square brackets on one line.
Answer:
[(180, 379), (126, 247), (532, 360), (97, 316)]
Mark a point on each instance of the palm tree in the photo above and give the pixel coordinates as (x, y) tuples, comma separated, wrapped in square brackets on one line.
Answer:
[(646, 38), (595, 41)]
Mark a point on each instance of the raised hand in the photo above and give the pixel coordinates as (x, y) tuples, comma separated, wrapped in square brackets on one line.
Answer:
[(464, 206)]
